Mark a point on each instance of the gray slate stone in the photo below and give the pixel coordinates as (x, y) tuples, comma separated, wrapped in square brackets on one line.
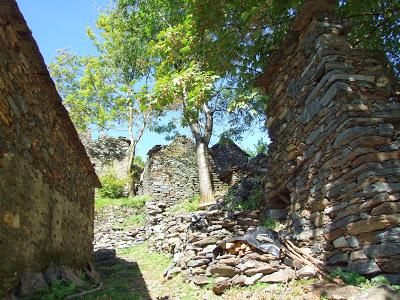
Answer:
[(382, 250), (279, 276), (365, 267)]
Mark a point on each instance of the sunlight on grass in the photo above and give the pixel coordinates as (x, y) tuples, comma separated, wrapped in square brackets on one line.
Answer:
[(135, 202), (135, 221), (188, 205)]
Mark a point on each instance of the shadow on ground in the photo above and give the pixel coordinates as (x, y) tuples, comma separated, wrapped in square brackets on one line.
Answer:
[(121, 281)]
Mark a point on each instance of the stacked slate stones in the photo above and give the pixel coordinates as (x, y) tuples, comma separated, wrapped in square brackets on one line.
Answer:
[(171, 172), (111, 230), (334, 119), (193, 237)]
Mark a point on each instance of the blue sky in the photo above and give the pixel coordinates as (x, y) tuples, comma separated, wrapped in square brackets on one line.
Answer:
[(58, 24)]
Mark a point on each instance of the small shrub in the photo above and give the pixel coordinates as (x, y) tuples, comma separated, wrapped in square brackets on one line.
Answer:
[(271, 223), (349, 277), (253, 202), (58, 290), (112, 186), (261, 147)]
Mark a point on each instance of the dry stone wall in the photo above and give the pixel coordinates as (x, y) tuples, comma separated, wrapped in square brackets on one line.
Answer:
[(171, 172), (46, 179), (109, 155), (334, 122)]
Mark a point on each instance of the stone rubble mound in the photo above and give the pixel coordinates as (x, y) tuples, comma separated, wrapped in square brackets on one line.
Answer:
[(110, 231)]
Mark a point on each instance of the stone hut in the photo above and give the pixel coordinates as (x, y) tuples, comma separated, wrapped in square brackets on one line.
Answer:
[(108, 154), (171, 172), (334, 122), (228, 160), (46, 179)]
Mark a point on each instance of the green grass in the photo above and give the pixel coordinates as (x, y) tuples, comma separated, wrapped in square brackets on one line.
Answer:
[(58, 290), (138, 275), (188, 205), (135, 202), (138, 220), (271, 223), (356, 279)]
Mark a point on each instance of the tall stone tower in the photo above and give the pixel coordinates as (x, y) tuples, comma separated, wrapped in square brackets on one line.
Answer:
[(334, 119)]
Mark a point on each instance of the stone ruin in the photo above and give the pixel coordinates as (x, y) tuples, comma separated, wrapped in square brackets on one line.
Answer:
[(47, 181), (334, 122), (171, 171), (108, 154)]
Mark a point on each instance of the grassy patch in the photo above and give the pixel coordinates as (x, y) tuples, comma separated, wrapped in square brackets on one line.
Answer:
[(356, 279), (189, 205), (58, 290), (138, 275), (134, 221), (135, 202), (348, 277), (271, 223)]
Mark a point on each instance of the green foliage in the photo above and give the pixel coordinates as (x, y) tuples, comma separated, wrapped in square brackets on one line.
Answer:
[(350, 277), (112, 186), (261, 147), (188, 205), (252, 202), (271, 223), (58, 290), (374, 25), (137, 202), (359, 280)]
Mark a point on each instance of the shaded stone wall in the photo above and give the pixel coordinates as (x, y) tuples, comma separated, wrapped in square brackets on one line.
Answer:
[(334, 119), (46, 180), (171, 172), (108, 154)]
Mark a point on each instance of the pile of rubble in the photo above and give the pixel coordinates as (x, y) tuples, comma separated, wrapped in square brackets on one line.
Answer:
[(112, 229), (257, 256)]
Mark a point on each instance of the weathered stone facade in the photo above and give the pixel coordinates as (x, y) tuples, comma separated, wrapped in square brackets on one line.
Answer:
[(108, 154), (171, 172), (46, 179), (334, 122)]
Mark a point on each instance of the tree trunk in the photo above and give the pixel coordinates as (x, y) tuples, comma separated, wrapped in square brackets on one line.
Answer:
[(131, 177), (206, 189)]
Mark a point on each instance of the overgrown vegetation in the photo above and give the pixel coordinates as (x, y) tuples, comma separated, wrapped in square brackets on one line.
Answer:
[(137, 202), (138, 275), (356, 279), (189, 205), (271, 223), (112, 186), (58, 290), (253, 202)]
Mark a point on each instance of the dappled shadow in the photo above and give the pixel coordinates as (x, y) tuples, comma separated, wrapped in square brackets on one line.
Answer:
[(122, 280)]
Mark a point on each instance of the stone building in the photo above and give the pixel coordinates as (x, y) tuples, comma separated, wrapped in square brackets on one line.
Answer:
[(334, 122), (108, 154), (46, 179), (171, 173)]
